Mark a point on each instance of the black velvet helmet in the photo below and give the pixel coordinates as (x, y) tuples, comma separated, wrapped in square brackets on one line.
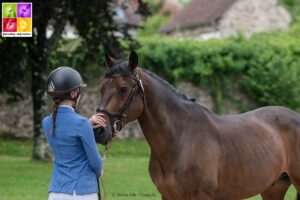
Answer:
[(63, 80)]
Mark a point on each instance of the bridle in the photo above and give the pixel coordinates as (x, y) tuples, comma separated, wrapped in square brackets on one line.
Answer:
[(118, 125)]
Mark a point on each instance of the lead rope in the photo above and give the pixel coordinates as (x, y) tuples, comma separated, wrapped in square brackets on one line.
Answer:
[(105, 155), (103, 187), (99, 193)]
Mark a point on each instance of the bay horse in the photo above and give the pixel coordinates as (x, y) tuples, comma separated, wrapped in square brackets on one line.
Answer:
[(196, 154)]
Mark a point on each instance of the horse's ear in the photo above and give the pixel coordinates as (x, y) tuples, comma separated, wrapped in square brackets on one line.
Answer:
[(133, 61), (109, 60)]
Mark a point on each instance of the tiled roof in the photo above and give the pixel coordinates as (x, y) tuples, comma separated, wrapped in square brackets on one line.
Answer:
[(197, 13)]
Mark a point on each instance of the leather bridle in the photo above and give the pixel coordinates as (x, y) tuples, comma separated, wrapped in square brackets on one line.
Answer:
[(118, 124)]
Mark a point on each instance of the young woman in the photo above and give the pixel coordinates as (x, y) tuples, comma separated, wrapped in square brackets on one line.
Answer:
[(77, 164)]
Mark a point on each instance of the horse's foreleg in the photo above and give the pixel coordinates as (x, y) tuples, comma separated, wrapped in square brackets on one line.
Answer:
[(293, 170), (277, 190), (295, 179), (201, 194), (298, 196)]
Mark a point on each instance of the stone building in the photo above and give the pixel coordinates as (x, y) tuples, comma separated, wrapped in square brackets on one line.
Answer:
[(205, 19)]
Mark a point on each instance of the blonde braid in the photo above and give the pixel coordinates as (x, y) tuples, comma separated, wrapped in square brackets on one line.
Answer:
[(55, 104)]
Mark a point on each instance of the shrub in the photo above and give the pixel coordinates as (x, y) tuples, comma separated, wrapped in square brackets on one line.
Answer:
[(266, 66)]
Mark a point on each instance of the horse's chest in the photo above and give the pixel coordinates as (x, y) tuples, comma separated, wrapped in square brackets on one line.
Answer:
[(178, 183), (168, 186), (165, 180), (160, 176)]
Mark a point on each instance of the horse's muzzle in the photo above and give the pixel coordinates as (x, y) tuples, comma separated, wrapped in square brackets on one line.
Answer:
[(103, 135)]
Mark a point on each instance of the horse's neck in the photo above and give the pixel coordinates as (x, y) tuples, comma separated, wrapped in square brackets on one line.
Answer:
[(158, 120)]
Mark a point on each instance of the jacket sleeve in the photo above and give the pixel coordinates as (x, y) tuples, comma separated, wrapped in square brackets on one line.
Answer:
[(90, 147), (44, 127)]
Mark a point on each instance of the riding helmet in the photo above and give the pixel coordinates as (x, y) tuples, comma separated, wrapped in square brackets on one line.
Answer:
[(63, 80)]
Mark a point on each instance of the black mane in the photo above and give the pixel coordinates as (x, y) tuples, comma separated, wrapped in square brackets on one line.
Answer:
[(168, 85)]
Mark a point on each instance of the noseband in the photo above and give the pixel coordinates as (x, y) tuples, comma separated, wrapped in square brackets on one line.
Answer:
[(118, 125)]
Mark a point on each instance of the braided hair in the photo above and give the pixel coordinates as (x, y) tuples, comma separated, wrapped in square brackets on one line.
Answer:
[(55, 104)]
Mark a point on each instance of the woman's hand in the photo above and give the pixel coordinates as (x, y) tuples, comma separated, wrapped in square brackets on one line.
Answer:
[(97, 120)]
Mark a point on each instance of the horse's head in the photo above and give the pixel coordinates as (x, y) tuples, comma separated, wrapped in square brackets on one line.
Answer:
[(122, 93)]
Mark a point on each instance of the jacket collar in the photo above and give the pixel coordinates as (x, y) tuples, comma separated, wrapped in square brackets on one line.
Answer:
[(64, 108)]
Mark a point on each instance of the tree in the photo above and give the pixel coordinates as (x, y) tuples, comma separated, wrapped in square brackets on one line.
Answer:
[(29, 57)]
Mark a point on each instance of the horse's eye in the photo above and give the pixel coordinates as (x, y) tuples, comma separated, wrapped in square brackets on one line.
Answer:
[(123, 90)]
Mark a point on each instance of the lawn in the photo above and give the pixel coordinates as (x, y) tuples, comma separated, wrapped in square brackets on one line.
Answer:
[(125, 173)]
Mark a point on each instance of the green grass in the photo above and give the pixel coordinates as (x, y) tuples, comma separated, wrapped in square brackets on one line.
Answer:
[(125, 176), (22, 178)]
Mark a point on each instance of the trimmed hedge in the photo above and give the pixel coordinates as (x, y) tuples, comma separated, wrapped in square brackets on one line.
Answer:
[(266, 66)]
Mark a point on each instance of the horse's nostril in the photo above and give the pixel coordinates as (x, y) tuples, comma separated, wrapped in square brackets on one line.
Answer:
[(102, 135)]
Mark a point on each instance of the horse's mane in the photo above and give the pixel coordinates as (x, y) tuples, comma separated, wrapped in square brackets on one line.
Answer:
[(174, 90), (169, 86)]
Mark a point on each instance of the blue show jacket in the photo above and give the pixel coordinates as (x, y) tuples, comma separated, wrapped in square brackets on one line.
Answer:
[(77, 162)]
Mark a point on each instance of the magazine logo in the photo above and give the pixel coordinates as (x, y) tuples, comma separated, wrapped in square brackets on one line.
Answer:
[(17, 19)]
